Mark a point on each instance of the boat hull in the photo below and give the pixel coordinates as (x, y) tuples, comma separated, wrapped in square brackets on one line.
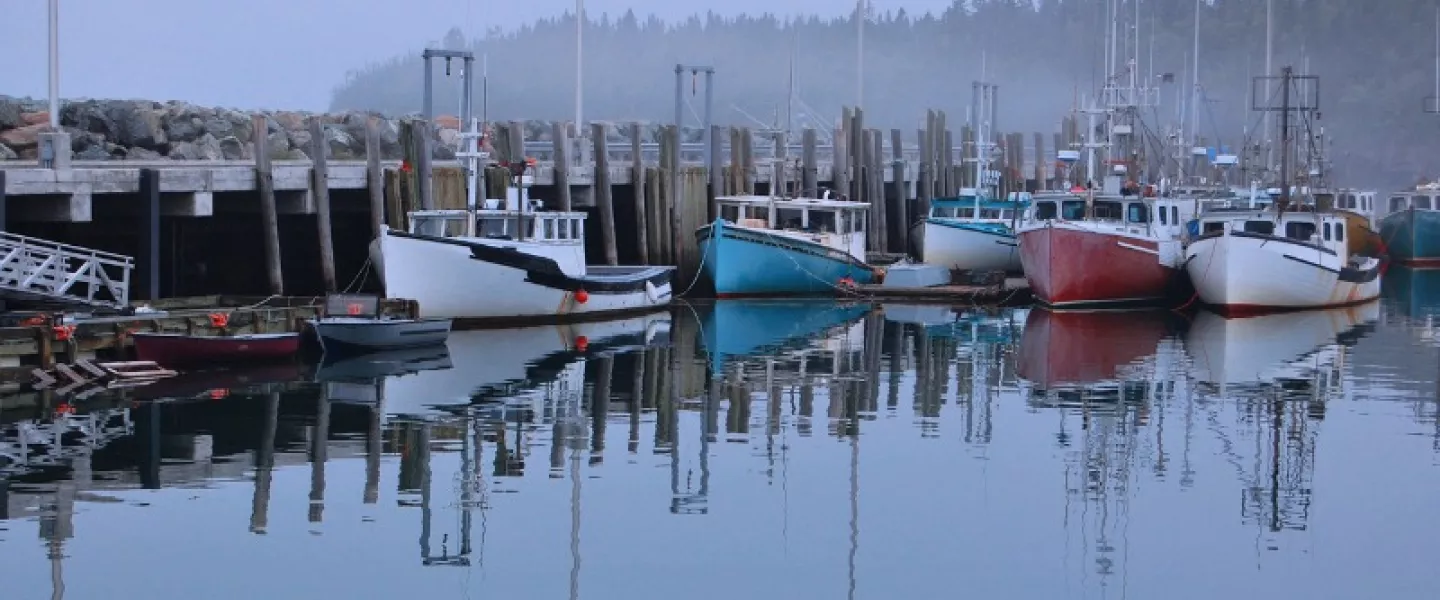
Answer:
[(1069, 266), (179, 350), (1412, 237), (748, 262), (966, 247), (475, 283), (1246, 274), (341, 334)]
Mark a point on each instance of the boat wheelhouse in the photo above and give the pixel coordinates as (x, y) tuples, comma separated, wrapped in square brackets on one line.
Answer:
[(763, 245)]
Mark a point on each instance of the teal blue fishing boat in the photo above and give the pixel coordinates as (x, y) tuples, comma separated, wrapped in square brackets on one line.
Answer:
[(973, 232), (763, 246), (1411, 229)]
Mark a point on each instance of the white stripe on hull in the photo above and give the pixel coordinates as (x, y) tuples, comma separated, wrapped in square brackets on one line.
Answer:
[(1243, 271), (447, 281), (969, 250)]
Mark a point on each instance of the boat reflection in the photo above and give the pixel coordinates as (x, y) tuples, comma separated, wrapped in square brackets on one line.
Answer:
[(1301, 347), (1069, 356)]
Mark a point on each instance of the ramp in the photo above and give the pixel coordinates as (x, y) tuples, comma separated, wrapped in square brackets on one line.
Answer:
[(34, 269)]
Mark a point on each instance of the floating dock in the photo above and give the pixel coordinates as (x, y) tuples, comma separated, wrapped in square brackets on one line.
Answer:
[(1014, 291), (40, 342)]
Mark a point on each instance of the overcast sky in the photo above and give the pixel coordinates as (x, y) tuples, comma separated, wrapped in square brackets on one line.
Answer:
[(281, 53)]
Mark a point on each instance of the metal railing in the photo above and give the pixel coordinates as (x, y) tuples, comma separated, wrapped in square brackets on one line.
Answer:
[(62, 272)]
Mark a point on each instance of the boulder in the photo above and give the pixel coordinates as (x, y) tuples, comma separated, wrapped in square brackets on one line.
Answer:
[(23, 138), (142, 154), (7, 154), (35, 118), (300, 138), (278, 144), (93, 152), (341, 145), (232, 149), (10, 113), (138, 125), (88, 115)]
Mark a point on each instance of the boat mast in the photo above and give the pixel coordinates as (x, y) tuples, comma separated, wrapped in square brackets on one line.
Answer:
[(1269, 55), (1285, 74)]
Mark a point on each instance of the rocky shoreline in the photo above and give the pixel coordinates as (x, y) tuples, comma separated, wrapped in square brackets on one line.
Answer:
[(148, 130)]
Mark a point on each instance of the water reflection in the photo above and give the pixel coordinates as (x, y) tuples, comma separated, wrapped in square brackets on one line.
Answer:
[(1007, 453)]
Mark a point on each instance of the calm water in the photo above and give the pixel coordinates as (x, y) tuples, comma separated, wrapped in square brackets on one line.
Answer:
[(765, 450)]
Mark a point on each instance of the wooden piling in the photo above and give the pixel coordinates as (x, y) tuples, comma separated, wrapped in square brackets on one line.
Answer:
[(673, 195), (420, 137), (897, 190), (515, 134), (320, 192), (942, 155), (877, 190), (265, 184), (809, 175), (922, 174), (637, 179), (1039, 161), (779, 173), (747, 151), (374, 176), (603, 199), (148, 261), (947, 156), (737, 159), (859, 150), (840, 159), (715, 170), (560, 137)]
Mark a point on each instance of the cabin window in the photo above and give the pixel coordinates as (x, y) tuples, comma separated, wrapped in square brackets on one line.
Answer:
[(730, 213), (1007, 214), (1422, 202), (1135, 213), (944, 212), (859, 221), (965, 212), (1175, 215), (823, 221), (989, 213), (1108, 210), (1164, 214), (789, 218), (1214, 227), (1260, 227), (1300, 231), (1045, 211), (1072, 210), (494, 228), (1339, 232), (1326, 229), (1397, 203)]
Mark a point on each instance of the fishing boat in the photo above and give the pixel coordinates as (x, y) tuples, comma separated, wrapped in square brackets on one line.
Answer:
[(1411, 228), (179, 350), (1104, 249), (352, 323), (1256, 261), (763, 245), (511, 263), (973, 232), (976, 230)]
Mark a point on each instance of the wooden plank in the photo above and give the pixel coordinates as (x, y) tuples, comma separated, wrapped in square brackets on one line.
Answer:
[(374, 176), (637, 183), (603, 200), (270, 221), (320, 191), (560, 138)]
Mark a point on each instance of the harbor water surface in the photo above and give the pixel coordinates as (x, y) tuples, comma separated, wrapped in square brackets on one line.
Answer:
[(764, 449)]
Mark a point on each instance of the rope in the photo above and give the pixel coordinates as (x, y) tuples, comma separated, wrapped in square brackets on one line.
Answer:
[(699, 269)]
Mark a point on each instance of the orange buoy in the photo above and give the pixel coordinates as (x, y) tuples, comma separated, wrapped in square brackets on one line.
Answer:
[(353, 308), (582, 296), (219, 320), (63, 332), (581, 343)]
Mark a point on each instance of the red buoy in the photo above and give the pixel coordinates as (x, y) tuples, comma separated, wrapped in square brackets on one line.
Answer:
[(582, 296), (581, 343)]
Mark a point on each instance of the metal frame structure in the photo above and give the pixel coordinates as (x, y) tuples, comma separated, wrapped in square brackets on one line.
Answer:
[(708, 118), (427, 200)]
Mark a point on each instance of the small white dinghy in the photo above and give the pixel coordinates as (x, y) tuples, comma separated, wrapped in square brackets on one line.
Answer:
[(352, 323)]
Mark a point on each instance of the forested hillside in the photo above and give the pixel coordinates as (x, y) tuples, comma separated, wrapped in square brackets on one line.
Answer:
[(1375, 62)]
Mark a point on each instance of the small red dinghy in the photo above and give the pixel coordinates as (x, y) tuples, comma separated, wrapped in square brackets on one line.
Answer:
[(180, 350)]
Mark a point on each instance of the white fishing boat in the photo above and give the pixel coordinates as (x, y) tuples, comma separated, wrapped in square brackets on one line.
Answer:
[(1254, 261), (352, 323), (508, 263)]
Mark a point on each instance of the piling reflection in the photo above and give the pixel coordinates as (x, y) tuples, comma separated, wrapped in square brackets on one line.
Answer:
[(716, 414)]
